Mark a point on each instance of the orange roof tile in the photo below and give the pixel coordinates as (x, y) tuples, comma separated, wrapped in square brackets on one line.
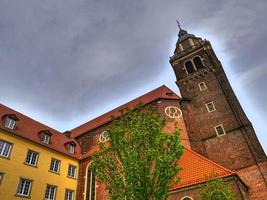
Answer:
[(90, 152), (196, 169), (29, 129), (162, 92)]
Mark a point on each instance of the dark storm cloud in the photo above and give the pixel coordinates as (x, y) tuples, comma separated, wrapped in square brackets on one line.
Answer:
[(65, 60)]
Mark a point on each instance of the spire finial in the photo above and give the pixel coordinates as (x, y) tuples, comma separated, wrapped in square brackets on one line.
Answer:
[(181, 31), (179, 25)]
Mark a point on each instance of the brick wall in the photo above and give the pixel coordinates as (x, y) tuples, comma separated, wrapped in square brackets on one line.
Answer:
[(239, 147), (253, 177), (91, 138), (194, 192)]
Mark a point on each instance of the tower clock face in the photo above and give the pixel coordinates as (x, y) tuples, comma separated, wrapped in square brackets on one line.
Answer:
[(173, 112), (103, 137)]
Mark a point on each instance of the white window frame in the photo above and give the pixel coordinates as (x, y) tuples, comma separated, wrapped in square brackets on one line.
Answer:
[(24, 187), (1, 177), (201, 59), (32, 158), (103, 137), (50, 192), (5, 148), (204, 88), (213, 105), (72, 171), (192, 61), (89, 190), (69, 194), (54, 165), (10, 123), (46, 138), (217, 130), (71, 148)]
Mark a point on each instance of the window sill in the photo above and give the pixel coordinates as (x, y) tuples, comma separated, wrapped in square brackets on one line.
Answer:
[(35, 166), (75, 178), (210, 111), (8, 158), (54, 172), (22, 196)]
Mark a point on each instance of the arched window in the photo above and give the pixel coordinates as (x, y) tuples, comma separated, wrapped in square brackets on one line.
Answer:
[(90, 184), (189, 67), (186, 198), (198, 63), (218, 195)]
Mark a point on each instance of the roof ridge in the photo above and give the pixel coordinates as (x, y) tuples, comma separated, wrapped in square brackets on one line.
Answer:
[(24, 115), (156, 93)]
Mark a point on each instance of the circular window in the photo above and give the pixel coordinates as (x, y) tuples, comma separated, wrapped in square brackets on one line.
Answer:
[(103, 137), (173, 112)]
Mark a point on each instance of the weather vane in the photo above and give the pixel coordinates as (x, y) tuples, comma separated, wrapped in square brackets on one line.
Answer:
[(178, 24)]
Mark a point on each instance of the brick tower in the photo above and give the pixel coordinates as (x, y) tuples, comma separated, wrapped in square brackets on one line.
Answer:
[(217, 125)]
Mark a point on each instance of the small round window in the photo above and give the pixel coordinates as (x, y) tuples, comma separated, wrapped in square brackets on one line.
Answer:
[(103, 137), (173, 112)]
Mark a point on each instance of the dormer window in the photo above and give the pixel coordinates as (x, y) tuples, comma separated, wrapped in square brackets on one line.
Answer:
[(46, 138), (71, 148), (10, 123)]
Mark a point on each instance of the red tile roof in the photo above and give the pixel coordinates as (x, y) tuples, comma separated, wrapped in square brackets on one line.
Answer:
[(29, 129), (196, 169), (162, 92)]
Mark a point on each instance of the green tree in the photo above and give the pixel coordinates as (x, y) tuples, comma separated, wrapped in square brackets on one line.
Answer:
[(140, 160), (217, 189)]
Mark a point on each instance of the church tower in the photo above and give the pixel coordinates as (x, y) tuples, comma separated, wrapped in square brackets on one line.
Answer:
[(216, 123)]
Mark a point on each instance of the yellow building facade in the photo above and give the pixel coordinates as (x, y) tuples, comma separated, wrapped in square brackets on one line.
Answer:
[(32, 169)]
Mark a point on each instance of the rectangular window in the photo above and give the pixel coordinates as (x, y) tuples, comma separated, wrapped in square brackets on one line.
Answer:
[(24, 187), (31, 158), (210, 106), (55, 165), (46, 138), (71, 148), (5, 148), (72, 171), (10, 123), (202, 86), (219, 130), (69, 194), (50, 192)]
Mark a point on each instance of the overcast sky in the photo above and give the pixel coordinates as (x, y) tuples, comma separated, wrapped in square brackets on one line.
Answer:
[(64, 62)]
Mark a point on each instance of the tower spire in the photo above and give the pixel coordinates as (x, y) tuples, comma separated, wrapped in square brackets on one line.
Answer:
[(181, 31), (179, 25)]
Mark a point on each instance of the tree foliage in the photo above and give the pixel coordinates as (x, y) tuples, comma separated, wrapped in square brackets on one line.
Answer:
[(140, 160), (217, 189)]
